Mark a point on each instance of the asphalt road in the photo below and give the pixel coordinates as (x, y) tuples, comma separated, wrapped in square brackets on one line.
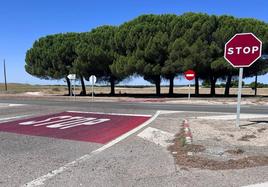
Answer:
[(133, 161), (143, 106)]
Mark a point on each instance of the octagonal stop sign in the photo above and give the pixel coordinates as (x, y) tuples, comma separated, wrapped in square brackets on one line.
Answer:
[(243, 50)]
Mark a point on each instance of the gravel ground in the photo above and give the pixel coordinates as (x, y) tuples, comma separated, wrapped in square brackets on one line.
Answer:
[(223, 132), (219, 145)]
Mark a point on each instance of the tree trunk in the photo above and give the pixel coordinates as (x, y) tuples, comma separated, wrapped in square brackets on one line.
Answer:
[(256, 84), (228, 85), (171, 85), (157, 86), (196, 86), (69, 85), (213, 86), (112, 82), (83, 92)]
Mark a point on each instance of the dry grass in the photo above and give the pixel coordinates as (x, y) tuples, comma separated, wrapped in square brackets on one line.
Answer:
[(184, 90), (21, 88), (183, 159), (62, 89)]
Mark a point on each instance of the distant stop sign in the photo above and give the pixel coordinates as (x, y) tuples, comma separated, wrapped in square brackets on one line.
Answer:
[(243, 50), (189, 75)]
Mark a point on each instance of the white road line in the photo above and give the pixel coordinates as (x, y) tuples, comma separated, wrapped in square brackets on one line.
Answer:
[(40, 181), (15, 117), (6, 105), (170, 111), (233, 117), (258, 185), (116, 114), (16, 105)]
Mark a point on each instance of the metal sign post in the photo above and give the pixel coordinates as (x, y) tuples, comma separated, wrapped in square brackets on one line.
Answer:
[(189, 92), (72, 77), (239, 97), (189, 75), (92, 80), (5, 75), (74, 88), (92, 92), (71, 88), (242, 50)]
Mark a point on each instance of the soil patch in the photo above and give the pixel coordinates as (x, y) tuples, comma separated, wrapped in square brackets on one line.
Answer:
[(235, 151), (247, 137), (261, 130), (184, 159)]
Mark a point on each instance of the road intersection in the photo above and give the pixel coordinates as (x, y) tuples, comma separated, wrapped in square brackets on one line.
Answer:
[(133, 158)]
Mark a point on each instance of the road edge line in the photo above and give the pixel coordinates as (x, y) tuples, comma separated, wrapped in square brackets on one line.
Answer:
[(6, 119), (115, 114)]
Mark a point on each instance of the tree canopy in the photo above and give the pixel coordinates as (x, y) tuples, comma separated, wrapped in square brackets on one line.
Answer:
[(155, 47)]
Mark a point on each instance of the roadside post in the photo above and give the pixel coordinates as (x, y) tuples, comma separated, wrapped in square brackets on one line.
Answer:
[(5, 75), (241, 51), (74, 87), (71, 88), (72, 77), (92, 80), (189, 75)]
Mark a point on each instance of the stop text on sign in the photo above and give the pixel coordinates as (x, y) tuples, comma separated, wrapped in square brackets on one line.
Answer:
[(242, 50), (65, 122)]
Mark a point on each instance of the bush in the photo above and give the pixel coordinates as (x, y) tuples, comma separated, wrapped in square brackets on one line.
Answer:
[(234, 84), (259, 85), (55, 89)]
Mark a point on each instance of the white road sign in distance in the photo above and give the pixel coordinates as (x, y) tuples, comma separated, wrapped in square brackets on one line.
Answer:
[(92, 79), (71, 76)]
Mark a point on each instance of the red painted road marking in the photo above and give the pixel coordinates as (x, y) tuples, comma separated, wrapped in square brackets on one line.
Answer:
[(81, 126)]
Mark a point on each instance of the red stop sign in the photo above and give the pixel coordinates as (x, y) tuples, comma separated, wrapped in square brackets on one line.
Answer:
[(243, 50), (189, 75)]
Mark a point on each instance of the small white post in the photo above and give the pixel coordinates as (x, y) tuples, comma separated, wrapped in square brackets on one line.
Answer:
[(239, 97), (92, 90), (74, 88), (5, 75), (189, 91), (71, 88)]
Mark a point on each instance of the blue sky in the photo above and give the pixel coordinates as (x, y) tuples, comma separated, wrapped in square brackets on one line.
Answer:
[(22, 22)]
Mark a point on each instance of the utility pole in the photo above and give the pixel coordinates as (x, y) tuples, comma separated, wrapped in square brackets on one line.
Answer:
[(5, 74)]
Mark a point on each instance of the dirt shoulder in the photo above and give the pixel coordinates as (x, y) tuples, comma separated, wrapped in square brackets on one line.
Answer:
[(218, 144)]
